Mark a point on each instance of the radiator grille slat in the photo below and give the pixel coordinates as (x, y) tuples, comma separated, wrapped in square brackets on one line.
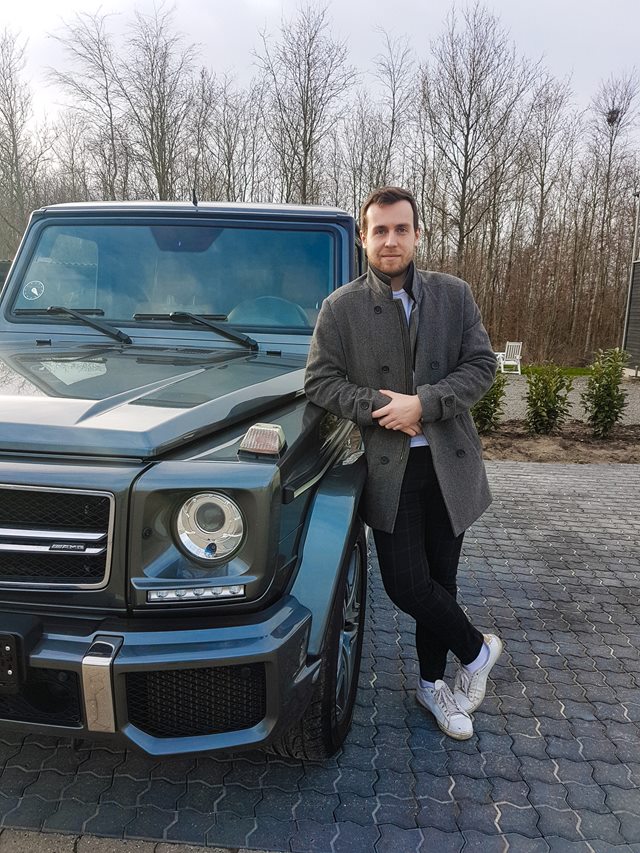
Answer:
[(50, 537), (53, 567), (193, 702), (53, 510)]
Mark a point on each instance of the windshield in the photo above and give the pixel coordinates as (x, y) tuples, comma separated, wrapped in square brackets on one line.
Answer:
[(250, 277)]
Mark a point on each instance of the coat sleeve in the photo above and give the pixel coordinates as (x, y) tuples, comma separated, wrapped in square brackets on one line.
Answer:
[(470, 379), (326, 380)]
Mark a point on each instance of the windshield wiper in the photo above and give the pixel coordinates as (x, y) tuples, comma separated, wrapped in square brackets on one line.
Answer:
[(199, 320), (82, 315)]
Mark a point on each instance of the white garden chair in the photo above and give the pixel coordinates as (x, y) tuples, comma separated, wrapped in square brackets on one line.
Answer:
[(510, 358)]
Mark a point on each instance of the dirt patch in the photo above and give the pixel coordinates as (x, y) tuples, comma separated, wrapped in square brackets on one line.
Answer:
[(574, 443)]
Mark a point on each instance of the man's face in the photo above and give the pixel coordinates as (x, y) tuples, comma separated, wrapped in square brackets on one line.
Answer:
[(390, 239)]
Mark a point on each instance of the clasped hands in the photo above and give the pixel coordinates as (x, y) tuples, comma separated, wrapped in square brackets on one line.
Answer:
[(403, 413)]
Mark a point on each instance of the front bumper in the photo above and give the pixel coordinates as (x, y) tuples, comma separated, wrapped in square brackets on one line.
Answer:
[(169, 691)]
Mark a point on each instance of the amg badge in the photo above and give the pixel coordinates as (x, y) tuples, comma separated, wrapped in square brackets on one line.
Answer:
[(68, 546)]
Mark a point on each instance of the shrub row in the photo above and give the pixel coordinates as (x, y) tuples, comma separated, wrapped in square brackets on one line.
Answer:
[(548, 388)]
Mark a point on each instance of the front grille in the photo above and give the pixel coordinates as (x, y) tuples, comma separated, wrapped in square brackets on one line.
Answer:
[(192, 702), (54, 538), (53, 510), (51, 567), (48, 696)]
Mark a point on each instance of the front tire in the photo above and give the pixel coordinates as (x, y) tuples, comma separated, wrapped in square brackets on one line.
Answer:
[(325, 724)]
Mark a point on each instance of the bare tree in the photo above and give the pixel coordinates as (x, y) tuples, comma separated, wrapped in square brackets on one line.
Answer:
[(22, 149), (307, 76), (361, 157), (549, 141), (228, 157), (528, 200), (73, 159), (393, 68), (471, 92), (156, 82), (137, 100), (92, 84), (614, 113)]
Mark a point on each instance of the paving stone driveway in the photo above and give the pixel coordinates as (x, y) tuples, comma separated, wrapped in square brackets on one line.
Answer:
[(554, 567)]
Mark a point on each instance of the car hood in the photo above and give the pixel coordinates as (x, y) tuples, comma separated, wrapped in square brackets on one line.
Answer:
[(135, 403)]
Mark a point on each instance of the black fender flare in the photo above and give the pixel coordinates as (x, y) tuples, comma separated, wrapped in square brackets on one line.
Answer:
[(330, 534)]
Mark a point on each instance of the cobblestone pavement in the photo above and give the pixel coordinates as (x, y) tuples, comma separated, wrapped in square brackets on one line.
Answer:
[(554, 567)]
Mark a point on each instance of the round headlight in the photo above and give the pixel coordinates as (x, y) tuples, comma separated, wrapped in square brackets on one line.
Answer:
[(210, 517), (210, 526)]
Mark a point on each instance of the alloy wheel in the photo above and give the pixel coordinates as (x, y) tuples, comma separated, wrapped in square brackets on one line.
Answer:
[(351, 614)]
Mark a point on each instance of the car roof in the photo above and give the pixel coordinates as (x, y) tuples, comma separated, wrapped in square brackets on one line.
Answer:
[(207, 207)]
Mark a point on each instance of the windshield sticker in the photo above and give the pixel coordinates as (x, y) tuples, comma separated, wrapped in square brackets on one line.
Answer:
[(33, 290)]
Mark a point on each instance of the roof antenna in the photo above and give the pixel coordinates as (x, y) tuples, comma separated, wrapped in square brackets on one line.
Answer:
[(194, 197)]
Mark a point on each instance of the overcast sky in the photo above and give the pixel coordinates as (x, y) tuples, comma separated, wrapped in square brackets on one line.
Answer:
[(587, 39)]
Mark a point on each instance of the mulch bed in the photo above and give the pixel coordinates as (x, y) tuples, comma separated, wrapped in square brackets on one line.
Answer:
[(574, 443)]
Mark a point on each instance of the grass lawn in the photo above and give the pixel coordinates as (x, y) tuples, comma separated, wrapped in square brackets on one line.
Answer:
[(528, 369)]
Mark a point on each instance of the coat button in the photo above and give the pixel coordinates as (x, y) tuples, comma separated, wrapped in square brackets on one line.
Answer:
[(435, 364), (460, 453), (385, 368), (364, 404), (378, 309), (384, 460), (448, 402)]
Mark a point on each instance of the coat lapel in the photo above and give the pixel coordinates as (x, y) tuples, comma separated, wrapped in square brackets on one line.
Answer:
[(387, 325), (430, 332)]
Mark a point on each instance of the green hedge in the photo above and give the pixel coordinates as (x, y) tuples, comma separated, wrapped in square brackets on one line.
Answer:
[(604, 399), (487, 411), (547, 399)]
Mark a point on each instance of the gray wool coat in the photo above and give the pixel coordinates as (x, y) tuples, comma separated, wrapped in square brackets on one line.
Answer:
[(362, 343)]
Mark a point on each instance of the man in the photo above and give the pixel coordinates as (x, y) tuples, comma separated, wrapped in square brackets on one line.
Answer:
[(403, 353)]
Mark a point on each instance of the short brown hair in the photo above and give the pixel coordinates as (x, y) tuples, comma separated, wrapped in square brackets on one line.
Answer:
[(388, 195)]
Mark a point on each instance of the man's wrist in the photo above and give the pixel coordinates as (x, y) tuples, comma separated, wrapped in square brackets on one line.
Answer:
[(418, 407)]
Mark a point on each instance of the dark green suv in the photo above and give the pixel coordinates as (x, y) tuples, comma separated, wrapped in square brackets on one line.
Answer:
[(182, 566)]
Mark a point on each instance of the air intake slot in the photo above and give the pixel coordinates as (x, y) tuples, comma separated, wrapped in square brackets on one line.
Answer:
[(192, 702)]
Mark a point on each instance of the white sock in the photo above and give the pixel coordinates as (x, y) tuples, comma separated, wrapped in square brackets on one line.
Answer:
[(430, 684), (480, 661)]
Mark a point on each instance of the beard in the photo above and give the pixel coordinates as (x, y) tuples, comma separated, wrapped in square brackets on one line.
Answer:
[(393, 267)]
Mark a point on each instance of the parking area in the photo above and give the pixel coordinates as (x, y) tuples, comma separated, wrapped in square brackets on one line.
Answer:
[(554, 568)]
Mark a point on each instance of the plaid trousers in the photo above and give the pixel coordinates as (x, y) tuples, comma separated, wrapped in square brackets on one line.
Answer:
[(419, 565)]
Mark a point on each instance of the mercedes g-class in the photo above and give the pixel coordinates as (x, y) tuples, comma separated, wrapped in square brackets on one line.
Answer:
[(182, 566)]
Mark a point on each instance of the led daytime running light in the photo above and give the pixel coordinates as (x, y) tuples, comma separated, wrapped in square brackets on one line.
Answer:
[(196, 593)]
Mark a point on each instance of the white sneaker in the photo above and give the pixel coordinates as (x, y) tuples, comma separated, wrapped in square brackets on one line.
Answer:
[(449, 717), (469, 688)]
